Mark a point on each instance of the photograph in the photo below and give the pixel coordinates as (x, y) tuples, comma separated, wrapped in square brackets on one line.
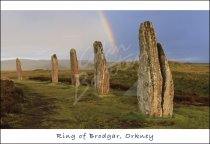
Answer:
[(104, 69)]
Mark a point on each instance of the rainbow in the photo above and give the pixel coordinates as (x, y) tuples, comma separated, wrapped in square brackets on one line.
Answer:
[(108, 28)]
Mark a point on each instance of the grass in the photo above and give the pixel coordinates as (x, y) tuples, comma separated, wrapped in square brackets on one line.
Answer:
[(55, 109), (52, 105), (191, 83)]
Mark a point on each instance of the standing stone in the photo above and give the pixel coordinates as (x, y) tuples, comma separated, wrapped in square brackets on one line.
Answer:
[(168, 85), (155, 90), (19, 69), (74, 68), (54, 62), (149, 89), (101, 70)]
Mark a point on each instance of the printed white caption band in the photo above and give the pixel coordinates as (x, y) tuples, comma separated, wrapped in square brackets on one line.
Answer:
[(105, 136)]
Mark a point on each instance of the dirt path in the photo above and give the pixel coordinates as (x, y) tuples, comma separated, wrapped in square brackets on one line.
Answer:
[(35, 108)]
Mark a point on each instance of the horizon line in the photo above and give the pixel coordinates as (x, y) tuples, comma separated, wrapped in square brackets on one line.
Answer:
[(26, 58)]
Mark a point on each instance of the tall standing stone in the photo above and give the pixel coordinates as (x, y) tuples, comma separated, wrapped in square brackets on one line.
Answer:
[(149, 91), (54, 62), (168, 85), (155, 90), (19, 69), (74, 68), (101, 77)]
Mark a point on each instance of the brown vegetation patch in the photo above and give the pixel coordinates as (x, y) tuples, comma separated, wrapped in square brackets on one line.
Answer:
[(189, 98), (11, 99)]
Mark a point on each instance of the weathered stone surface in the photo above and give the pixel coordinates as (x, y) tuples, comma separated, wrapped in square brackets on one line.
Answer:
[(74, 68), (149, 91), (101, 77), (54, 62), (19, 69), (155, 90), (168, 85)]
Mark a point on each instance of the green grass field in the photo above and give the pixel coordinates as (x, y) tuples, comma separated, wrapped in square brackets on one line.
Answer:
[(50, 105)]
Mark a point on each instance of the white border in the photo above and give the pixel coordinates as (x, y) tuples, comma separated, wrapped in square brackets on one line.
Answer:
[(105, 5), (159, 135)]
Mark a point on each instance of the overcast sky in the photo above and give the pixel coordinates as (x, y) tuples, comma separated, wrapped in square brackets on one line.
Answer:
[(38, 34)]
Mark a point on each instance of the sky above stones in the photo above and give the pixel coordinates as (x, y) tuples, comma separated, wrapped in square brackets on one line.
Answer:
[(184, 35)]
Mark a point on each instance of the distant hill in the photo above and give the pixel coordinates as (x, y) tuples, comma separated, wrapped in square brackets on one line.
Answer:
[(10, 65)]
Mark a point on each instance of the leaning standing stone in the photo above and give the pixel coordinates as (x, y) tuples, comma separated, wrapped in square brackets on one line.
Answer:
[(168, 85), (19, 69), (54, 62), (101, 77), (74, 68)]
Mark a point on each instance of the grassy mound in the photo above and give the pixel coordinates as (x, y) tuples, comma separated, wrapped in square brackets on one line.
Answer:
[(11, 99)]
